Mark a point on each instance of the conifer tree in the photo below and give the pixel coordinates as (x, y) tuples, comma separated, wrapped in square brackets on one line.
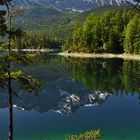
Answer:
[(8, 74), (132, 36)]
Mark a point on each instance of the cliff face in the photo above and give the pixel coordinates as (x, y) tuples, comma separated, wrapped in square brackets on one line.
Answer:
[(82, 4), (73, 5)]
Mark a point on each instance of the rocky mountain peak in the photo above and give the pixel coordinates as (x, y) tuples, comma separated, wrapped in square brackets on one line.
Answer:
[(73, 5)]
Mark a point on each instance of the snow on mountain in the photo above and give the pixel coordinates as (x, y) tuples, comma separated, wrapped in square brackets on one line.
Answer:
[(73, 5)]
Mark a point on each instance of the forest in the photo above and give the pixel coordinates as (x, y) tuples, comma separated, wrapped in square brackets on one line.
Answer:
[(112, 32), (104, 30), (29, 40)]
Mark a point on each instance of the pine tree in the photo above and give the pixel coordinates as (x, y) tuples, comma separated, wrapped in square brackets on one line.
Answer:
[(8, 74), (132, 36)]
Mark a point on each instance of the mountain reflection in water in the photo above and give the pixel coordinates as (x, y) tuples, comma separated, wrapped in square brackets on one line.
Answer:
[(90, 93), (69, 83), (62, 96)]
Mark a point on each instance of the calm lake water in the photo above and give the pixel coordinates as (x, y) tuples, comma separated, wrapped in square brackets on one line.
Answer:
[(77, 95)]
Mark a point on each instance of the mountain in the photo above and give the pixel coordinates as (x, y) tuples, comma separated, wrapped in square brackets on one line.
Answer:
[(54, 17), (72, 5), (82, 5), (45, 19)]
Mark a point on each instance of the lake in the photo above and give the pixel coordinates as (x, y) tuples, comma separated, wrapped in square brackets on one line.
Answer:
[(77, 95)]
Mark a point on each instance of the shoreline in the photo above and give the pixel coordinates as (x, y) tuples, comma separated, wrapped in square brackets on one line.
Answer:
[(36, 50), (83, 55), (104, 55)]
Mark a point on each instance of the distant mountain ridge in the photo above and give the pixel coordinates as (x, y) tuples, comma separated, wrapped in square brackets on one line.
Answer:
[(73, 5)]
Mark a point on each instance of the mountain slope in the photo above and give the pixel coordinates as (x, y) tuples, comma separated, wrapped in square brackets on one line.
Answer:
[(48, 20), (82, 4), (73, 5)]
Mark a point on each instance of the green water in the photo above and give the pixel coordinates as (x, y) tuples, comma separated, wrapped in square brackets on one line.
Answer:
[(114, 107)]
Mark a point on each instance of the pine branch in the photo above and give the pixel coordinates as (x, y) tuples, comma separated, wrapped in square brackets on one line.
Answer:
[(134, 6), (12, 91)]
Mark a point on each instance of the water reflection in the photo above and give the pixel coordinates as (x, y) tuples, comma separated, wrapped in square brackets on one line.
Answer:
[(109, 75), (71, 83), (64, 96)]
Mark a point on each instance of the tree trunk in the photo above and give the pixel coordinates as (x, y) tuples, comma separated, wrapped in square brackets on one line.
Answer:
[(10, 98), (10, 102)]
